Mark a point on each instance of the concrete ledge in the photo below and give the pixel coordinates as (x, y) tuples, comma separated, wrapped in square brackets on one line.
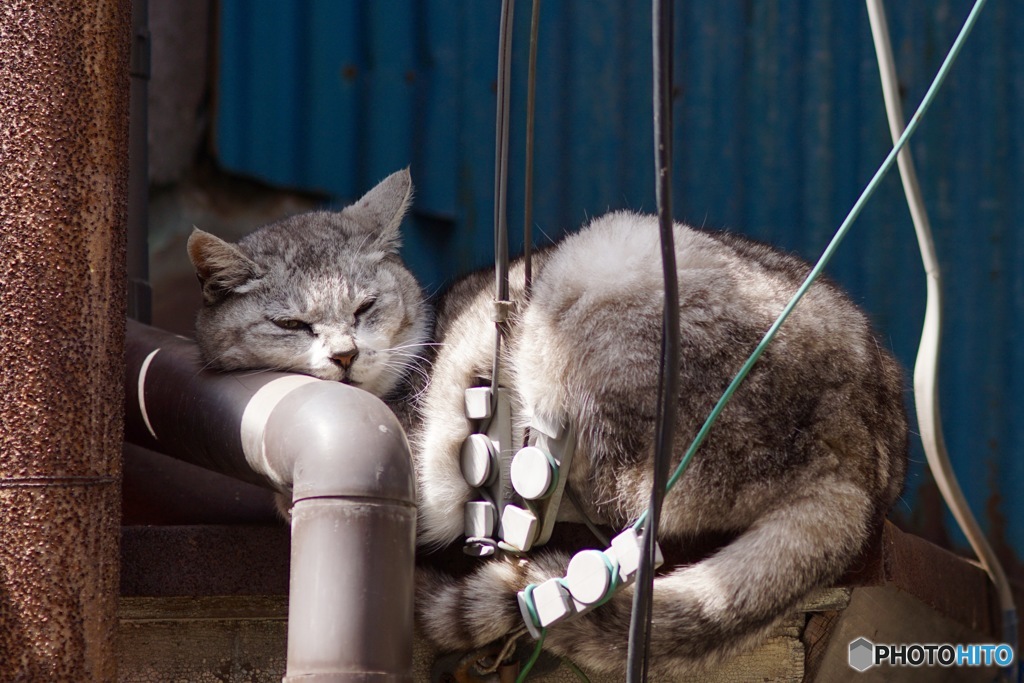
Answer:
[(210, 603)]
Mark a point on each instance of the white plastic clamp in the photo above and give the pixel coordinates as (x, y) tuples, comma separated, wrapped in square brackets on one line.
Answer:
[(485, 462), (555, 443), (478, 403), (518, 528), (533, 473), (590, 580), (478, 460)]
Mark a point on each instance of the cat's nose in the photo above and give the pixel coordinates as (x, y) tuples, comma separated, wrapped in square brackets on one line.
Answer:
[(344, 359)]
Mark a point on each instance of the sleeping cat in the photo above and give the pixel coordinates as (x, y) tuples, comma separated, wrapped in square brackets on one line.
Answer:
[(802, 465)]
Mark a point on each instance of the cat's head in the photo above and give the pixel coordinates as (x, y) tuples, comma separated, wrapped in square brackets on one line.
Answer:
[(322, 293)]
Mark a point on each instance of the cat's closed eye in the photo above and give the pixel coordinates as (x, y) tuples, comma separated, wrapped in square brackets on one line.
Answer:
[(292, 324), (366, 306)]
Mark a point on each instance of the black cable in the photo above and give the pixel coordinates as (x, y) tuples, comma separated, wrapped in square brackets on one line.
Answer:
[(668, 382), (501, 184), (531, 83)]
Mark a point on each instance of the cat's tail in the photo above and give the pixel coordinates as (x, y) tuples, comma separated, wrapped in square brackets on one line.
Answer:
[(703, 612)]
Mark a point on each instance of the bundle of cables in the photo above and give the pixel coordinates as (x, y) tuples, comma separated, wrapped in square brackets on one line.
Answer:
[(925, 388)]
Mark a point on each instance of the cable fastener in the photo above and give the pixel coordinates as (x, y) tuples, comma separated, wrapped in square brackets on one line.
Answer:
[(591, 579), (502, 310)]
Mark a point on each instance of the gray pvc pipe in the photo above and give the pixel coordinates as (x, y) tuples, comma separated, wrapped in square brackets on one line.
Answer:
[(347, 460)]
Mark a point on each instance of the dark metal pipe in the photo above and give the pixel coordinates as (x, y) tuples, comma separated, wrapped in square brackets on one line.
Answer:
[(63, 194), (180, 409), (345, 456)]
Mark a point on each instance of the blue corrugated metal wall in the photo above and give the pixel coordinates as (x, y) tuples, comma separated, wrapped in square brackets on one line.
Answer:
[(779, 125)]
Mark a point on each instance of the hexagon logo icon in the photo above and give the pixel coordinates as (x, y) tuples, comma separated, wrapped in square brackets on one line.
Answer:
[(862, 654)]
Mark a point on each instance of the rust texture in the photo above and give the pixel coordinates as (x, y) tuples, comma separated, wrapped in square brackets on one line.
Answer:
[(63, 196)]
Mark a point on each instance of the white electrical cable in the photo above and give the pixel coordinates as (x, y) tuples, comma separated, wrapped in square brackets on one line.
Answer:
[(926, 393)]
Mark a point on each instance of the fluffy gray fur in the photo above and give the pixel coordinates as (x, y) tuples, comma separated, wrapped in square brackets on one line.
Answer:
[(805, 460), (323, 293)]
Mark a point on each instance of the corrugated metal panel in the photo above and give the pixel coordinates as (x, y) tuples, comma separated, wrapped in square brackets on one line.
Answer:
[(779, 124)]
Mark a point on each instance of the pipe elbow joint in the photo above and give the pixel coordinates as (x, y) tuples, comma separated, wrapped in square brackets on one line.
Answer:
[(346, 457), (330, 440)]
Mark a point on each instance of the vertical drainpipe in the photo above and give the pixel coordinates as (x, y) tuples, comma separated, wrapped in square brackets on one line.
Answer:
[(63, 185)]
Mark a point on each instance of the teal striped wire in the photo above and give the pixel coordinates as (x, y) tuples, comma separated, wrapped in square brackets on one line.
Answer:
[(521, 678), (830, 250)]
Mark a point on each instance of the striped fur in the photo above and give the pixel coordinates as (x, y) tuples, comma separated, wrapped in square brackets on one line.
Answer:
[(804, 462)]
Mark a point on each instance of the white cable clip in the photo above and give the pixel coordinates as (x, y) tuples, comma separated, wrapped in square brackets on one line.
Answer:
[(590, 580), (540, 471), (537, 474), (478, 460), (518, 528), (502, 310), (485, 459), (478, 403)]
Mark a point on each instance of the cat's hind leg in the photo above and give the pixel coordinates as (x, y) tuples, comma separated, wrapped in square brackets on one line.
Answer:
[(731, 600), (703, 613)]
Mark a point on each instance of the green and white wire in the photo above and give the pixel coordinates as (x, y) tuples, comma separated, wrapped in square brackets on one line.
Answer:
[(830, 250), (571, 665), (524, 674), (926, 369)]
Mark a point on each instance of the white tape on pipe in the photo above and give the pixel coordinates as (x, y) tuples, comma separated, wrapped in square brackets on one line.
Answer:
[(254, 422), (142, 391)]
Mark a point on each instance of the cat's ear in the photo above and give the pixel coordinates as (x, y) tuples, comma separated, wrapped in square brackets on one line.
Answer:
[(386, 205), (221, 267)]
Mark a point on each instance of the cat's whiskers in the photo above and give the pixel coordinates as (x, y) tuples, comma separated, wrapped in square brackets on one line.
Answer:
[(406, 358), (362, 245), (260, 371), (403, 350), (412, 346), (397, 359), (431, 296), (206, 366), (399, 365), (399, 369)]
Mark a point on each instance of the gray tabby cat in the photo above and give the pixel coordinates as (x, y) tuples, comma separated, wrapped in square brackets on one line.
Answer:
[(801, 467)]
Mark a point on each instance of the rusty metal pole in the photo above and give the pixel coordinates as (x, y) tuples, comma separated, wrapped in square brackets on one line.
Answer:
[(63, 193)]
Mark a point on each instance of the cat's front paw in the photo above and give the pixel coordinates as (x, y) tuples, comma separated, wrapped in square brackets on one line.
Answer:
[(441, 508)]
